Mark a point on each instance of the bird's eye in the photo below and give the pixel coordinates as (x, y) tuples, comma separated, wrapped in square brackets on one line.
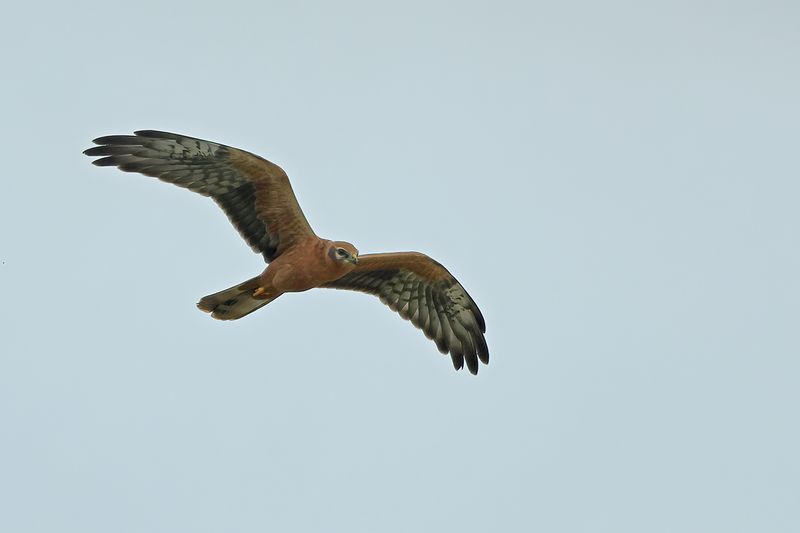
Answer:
[(342, 252)]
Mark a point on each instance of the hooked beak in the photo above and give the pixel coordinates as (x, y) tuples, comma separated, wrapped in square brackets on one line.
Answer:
[(353, 259)]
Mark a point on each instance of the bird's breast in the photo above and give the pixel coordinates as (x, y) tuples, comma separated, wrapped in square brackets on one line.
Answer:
[(300, 273)]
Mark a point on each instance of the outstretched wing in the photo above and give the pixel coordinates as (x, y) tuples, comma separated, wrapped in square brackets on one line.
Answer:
[(254, 193), (423, 291)]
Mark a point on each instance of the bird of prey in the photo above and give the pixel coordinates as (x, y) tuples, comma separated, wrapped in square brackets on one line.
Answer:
[(259, 201)]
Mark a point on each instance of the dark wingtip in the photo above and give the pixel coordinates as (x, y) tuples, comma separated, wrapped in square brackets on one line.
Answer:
[(109, 161), (478, 315), (482, 349), (94, 151), (472, 363), (156, 134), (123, 140)]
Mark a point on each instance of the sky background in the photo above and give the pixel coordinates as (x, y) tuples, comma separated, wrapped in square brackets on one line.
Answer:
[(617, 184)]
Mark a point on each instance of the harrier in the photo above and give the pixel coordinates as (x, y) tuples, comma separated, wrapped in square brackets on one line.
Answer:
[(258, 199)]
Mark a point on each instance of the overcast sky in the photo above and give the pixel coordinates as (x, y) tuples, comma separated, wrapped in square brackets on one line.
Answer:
[(617, 185)]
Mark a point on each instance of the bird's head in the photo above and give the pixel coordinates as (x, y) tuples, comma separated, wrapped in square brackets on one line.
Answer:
[(343, 253)]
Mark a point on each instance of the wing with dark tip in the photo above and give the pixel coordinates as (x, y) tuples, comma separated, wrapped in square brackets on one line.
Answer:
[(424, 292), (254, 193)]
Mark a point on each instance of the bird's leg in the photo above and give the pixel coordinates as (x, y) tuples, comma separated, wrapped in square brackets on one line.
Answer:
[(258, 292)]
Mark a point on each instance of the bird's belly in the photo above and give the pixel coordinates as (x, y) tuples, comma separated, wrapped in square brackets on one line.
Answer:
[(294, 278)]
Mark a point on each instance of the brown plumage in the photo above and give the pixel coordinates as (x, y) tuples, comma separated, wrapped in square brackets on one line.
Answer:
[(259, 201)]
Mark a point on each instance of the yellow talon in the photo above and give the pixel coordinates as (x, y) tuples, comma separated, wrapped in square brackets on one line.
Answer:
[(258, 292)]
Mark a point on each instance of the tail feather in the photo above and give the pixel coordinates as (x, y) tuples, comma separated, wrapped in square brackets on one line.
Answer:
[(234, 302)]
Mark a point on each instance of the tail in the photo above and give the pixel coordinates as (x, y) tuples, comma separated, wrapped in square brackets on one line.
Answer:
[(233, 303)]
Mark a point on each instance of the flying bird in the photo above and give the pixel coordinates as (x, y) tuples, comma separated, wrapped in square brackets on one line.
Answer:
[(259, 201)]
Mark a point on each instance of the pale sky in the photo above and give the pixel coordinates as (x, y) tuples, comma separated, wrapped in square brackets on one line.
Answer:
[(617, 185)]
